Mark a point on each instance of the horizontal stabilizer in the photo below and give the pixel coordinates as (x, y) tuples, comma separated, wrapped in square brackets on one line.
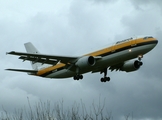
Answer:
[(22, 70)]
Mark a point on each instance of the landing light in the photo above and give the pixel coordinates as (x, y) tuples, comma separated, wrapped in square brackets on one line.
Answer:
[(130, 50)]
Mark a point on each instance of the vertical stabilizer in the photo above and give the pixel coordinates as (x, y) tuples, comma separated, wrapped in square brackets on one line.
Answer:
[(31, 49)]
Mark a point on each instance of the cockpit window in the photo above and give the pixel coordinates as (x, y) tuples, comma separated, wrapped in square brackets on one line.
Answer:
[(122, 41), (147, 37)]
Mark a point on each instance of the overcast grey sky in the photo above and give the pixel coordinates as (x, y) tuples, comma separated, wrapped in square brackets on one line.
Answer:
[(73, 27)]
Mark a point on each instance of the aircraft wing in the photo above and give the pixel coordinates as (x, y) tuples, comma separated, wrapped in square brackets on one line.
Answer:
[(43, 58), (116, 67), (112, 68), (22, 70)]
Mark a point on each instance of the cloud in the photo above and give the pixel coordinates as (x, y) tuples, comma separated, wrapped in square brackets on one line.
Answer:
[(103, 1), (72, 28), (139, 5), (12, 97)]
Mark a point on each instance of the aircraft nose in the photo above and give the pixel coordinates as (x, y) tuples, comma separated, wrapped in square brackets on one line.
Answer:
[(152, 44), (156, 41)]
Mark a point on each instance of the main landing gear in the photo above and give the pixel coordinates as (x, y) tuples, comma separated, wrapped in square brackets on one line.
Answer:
[(105, 79), (77, 77)]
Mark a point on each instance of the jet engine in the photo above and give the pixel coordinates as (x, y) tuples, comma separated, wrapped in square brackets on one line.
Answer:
[(131, 66), (85, 61)]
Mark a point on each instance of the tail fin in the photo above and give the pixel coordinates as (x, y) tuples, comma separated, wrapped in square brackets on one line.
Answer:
[(31, 49)]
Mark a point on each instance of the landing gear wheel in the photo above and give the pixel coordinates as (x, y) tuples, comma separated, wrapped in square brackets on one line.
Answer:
[(105, 79), (77, 77), (80, 76), (102, 80)]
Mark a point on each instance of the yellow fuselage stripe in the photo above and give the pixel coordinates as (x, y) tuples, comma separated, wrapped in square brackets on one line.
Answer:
[(119, 46)]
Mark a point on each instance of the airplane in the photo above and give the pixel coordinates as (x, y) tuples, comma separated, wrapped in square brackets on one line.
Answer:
[(124, 55)]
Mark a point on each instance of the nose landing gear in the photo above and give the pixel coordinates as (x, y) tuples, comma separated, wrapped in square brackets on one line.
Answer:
[(140, 57)]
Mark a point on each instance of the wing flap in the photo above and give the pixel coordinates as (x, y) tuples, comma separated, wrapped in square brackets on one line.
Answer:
[(43, 58), (39, 60), (111, 68), (116, 67)]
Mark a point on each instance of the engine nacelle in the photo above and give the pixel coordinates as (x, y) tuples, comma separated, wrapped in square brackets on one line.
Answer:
[(131, 66), (85, 61)]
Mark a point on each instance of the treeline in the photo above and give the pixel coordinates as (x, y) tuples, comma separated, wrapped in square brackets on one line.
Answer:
[(47, 111)]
